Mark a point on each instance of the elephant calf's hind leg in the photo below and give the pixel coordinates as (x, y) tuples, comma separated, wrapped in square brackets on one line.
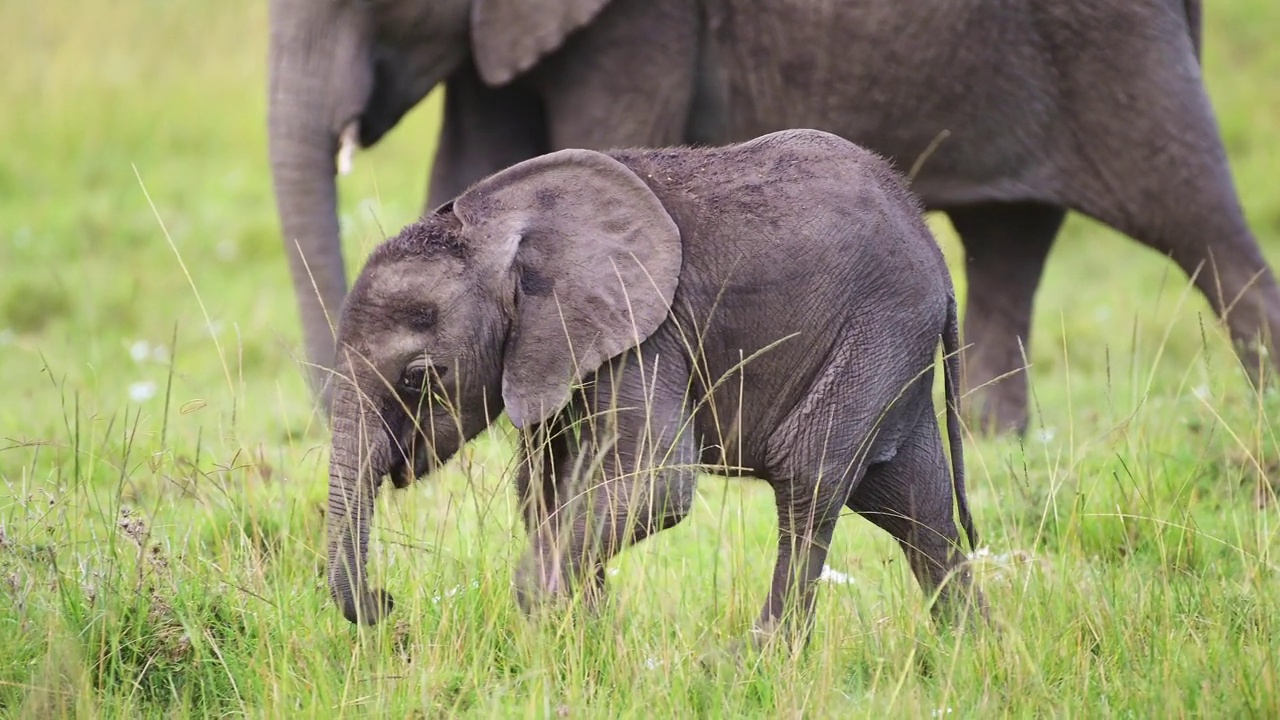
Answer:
[(911, 497)]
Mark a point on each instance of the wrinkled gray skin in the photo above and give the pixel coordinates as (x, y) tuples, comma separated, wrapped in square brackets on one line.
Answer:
[(650, 276), (1095, 106)]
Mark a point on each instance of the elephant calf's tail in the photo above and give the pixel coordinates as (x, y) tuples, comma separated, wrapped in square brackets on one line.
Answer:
[(951, 384)]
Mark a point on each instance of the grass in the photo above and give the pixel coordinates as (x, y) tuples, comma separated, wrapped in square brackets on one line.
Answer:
[(161, 528)]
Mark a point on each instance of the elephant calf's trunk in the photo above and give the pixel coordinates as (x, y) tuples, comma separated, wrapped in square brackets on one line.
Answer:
[(352, 492), (347, 584)]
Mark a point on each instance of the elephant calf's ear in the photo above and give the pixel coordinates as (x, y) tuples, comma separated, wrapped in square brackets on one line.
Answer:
[(509, 36), (597, 259)]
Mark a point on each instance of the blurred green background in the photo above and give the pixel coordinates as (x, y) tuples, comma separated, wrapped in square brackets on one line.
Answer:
[(149, 348), (107, 104)]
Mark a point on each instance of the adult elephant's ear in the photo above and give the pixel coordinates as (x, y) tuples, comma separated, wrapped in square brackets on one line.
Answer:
[(509, 36), (595, 260)]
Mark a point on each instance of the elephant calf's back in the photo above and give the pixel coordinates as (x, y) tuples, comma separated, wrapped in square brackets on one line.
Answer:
[(806, 248), (794, 216), (789, 182)]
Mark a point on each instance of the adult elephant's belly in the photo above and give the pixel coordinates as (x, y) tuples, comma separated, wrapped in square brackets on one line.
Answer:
[(961, 88)]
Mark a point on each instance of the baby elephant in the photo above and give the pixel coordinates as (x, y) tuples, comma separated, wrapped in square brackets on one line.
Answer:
[(770, 309)]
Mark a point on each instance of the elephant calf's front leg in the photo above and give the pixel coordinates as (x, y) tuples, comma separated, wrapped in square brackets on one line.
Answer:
[(543, 485), (630, 475)]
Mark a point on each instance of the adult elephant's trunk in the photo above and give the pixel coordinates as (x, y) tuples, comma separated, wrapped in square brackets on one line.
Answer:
[(357, 462), (320, 76)]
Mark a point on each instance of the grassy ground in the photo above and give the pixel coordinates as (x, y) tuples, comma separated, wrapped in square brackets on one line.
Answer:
[(161, 536)]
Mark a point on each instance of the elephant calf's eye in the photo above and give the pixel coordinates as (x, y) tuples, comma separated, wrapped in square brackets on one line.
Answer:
[(419, 377)]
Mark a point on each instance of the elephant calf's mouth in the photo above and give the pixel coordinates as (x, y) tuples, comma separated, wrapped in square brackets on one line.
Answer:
[(403, 472)]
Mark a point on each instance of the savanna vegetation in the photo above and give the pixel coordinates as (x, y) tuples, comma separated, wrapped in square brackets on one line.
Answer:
[(162, 472)]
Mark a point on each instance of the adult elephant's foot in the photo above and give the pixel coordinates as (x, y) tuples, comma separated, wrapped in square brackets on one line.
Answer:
[(994, 386), (999, 407)]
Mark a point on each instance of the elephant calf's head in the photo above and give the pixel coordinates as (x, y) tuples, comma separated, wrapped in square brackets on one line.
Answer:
[(501, 299)]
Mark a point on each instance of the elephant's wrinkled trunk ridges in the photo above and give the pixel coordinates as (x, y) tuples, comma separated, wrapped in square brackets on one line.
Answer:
[(355, 463)]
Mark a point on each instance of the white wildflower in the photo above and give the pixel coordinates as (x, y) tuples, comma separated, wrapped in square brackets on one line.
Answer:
[(140, 350), (142, 391), (455, 590), (835, 576)]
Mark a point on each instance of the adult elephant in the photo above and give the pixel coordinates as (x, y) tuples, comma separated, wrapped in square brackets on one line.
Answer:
[(1024, 108)]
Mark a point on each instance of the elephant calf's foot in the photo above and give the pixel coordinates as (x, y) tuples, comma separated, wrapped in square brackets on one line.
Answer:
[(367, 608), (739, 652), (550, 585), (961, 608)]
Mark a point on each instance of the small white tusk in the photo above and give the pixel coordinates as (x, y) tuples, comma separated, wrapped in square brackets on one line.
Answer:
[(347, 147)]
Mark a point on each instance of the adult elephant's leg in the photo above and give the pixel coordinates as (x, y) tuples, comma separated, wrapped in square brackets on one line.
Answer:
[(1204, 232), (483, 130), (1006, 245), (1159, 174)]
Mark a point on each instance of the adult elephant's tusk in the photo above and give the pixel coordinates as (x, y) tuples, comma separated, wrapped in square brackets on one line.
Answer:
[(347, 144)]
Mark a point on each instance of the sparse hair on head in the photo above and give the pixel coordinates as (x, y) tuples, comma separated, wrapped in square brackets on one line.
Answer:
[(423, 238)]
